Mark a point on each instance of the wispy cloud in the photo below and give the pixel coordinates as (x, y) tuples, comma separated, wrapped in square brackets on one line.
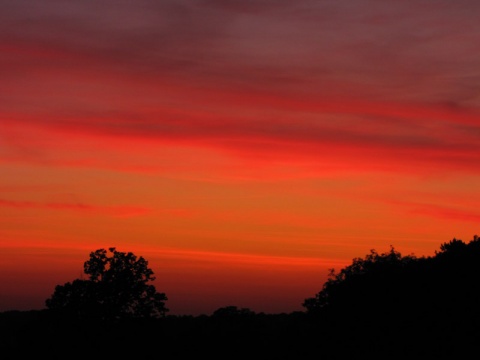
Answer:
[(117, 211), (396, 81), (368, 48), (454, 213)]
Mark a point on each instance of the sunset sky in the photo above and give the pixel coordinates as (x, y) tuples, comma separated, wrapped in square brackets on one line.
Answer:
[(242, 147)]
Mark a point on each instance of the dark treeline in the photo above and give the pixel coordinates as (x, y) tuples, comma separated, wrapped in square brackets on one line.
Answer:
[(382, 306)]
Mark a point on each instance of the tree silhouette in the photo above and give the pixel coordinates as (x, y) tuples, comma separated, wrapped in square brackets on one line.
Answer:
[(427, 306), (117, 287), (367, 281), (405, 285), (232, 311)]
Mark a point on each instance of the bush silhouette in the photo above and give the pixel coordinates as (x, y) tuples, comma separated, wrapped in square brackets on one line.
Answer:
[(390, 279), (118, 287), (403, 306), (232, 311), (367, 282)]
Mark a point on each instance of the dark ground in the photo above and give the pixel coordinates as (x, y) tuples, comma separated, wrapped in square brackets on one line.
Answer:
[(36, 334)]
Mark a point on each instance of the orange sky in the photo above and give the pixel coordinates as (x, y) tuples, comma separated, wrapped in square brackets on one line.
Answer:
[(242, 148)]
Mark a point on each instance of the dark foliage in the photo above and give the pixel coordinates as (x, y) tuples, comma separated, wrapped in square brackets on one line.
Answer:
[(428, 306), (394, 283), (231, 312), (367, 282), (117, 287), (382, 306)]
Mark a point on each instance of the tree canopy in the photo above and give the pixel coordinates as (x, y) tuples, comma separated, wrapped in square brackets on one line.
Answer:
[(118, 286), (389, 284)]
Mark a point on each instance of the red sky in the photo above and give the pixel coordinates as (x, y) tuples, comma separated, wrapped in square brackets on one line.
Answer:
[(242, 147)]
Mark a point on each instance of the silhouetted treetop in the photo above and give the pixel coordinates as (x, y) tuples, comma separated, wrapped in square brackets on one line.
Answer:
[(232, 311), (390, 283), (458, 248), (374, 270), (118, 287)]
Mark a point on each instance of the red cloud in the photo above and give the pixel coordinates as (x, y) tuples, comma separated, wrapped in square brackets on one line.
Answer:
[(117, 211)]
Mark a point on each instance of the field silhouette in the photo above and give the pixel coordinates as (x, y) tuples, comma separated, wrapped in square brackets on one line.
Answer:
[(382, 306)]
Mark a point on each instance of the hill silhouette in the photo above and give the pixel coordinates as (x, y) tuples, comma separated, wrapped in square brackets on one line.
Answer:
[(382, 306)]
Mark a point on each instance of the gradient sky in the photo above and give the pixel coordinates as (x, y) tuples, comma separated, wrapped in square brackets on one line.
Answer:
[(242, 147)]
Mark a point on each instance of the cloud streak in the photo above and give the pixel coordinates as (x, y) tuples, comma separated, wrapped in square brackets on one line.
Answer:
[(315, 76), (440, 211), (311, 46), (116, 211)]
